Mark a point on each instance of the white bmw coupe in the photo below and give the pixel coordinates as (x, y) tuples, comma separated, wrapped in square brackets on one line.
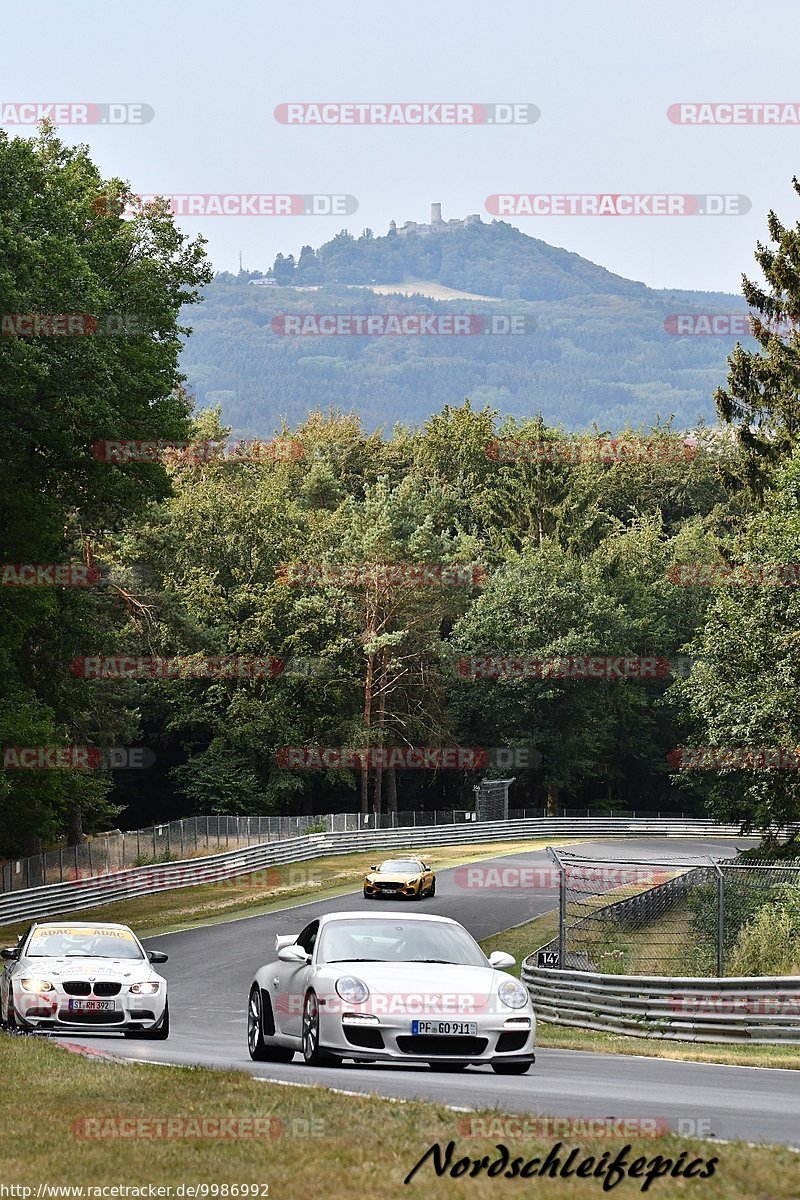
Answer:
[(374, 987), (81, 975)]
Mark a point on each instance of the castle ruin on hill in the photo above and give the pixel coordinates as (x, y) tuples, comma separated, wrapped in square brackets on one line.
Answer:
[(437, 225)]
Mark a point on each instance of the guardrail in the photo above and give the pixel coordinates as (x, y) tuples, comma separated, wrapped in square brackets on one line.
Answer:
[(209, 834), (105, 888), (762, 1011)]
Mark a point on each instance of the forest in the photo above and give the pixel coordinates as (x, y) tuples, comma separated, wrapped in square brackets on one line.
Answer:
[(382, 560)]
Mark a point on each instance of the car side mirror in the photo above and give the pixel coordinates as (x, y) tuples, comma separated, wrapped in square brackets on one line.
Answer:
[(157, 956), (293, 954), (9, 952), (373, 867), (500, 960)]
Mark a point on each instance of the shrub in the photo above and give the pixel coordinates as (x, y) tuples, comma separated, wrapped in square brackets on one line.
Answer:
[(769, 943)]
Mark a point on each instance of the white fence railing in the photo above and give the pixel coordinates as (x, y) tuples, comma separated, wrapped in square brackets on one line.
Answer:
[(762, 1011), (104, 888)]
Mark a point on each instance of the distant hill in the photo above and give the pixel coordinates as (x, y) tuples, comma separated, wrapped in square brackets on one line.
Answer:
[(597, 348)]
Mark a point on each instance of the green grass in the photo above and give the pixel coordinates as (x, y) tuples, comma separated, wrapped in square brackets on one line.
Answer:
[(560, 1037), (319, 1143), (522, 940)]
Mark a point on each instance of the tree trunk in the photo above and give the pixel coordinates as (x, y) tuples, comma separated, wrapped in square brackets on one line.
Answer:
[(367, 723), (391, 790), (552, 799), (381, 723), (74, 827)]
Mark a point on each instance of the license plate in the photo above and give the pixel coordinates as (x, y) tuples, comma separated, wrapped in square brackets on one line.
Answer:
[(91, 1006), (444, 1027)]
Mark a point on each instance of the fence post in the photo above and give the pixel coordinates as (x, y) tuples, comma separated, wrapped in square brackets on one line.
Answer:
[(562, 909), (720, 920)]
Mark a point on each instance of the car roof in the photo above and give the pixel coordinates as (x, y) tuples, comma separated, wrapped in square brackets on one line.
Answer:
[(404, 858), (68, 923), (383, 916)]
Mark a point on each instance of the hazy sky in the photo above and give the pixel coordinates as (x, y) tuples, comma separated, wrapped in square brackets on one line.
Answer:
[(602, 72)]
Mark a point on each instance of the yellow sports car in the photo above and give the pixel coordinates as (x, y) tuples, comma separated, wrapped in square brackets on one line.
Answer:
[(403, 878)]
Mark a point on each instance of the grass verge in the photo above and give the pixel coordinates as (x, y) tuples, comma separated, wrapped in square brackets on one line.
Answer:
[(523, 939), (275, 887), (317, 1142)]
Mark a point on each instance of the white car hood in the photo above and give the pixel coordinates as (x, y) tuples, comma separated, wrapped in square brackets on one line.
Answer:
[(118, 970), (407, 986)]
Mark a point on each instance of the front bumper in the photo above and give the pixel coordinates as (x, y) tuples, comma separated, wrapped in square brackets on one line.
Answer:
[(498, 1038), (51, 1010), (377, 891)]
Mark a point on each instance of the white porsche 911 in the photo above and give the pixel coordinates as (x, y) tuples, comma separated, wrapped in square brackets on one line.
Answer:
[(81, 975), (374, 987)]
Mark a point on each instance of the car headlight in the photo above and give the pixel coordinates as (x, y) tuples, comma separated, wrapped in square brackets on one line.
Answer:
[(513, 994), (36, 985), (409, 882), (144, 988), (352, 990)]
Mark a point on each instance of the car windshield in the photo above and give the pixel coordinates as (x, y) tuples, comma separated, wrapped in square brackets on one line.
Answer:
[(398, 940), (77, 942), (400, 866)]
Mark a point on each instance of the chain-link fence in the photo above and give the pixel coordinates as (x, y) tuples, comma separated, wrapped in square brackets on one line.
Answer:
[(194, 836), (690, 917)]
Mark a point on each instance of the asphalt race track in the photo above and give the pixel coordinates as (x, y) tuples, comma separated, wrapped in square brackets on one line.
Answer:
[(210, 970)]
